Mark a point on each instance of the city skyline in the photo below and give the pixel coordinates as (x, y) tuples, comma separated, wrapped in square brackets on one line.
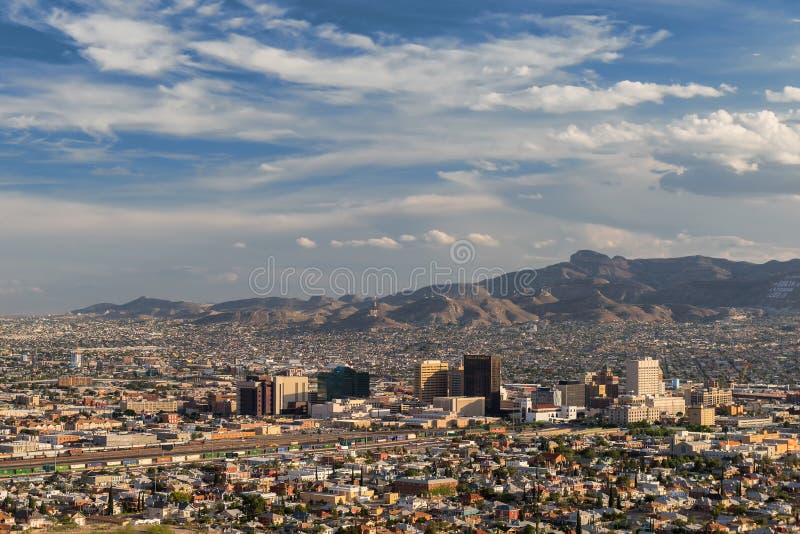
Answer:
[(168, 148)]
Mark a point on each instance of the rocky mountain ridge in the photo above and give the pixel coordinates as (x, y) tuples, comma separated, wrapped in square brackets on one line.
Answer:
[(589, 287)]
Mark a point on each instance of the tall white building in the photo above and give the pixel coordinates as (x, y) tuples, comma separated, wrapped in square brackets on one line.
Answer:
[(644, 377)]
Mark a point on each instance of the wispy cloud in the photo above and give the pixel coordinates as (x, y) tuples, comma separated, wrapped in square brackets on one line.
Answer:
[(376, 242)]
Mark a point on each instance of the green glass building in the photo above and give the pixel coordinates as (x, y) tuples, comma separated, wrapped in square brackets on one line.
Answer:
[(342, 383)]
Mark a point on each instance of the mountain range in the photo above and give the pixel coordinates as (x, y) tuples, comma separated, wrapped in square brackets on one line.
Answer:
[(589, 287)]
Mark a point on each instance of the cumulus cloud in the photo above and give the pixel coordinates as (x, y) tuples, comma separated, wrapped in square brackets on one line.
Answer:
[(788, 94), (305, 242), (739, 141), (376, 242), (407, 238), (438, 237), (569, 98), (614, 240), (483, 239), (240, 244)]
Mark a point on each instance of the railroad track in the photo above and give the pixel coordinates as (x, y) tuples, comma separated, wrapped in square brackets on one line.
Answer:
[(217, 446)]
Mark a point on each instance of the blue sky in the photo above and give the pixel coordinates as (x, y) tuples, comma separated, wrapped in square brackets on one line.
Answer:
[(168, 148)]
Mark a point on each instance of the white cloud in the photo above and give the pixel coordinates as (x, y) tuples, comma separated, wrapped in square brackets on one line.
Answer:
[(788, 94), (569, 98), (444, 71), (267, 9), (407, 238), (197, 107), (383, 242), (613, 240), (530, 196), (240, 244), (376, 242), (739, 141), (210, 9), (483, 239), (346, 40), (305, 242), (120, 44), (438, 237)]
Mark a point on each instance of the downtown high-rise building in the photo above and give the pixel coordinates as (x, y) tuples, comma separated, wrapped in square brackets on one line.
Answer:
[(644, 377), (573, 393), (254, 396), (342, 383), (482, 378), (290, 395), (456, 381), (431, 379)]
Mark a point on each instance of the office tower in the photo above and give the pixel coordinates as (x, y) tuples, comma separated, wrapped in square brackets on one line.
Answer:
[(603, 383), (644, 377), (602, 388), (482, 378), (76, 360), (573, 393), (342, 383), (290, 394), (431, 380), (456, 377), (254, 396)]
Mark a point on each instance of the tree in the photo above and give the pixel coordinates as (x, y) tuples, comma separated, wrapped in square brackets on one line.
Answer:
[(253, 505), (110, 500), (578, 522), (178, 496)]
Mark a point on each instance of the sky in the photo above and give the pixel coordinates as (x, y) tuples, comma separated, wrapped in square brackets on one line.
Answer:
[(172, 148)]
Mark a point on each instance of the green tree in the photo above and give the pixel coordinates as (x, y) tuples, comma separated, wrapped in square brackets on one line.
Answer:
[(178, 496), (253, 505)]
